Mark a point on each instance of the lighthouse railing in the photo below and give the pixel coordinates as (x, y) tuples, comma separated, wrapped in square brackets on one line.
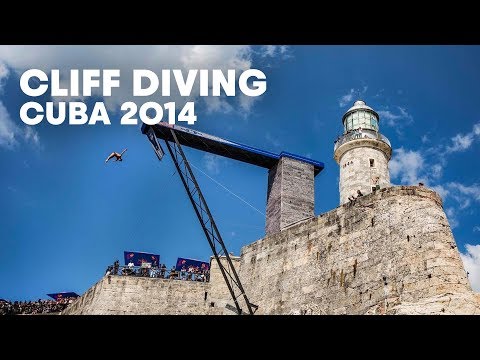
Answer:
[(360, 134)]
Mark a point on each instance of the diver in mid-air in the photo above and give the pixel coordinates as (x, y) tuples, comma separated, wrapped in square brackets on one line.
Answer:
[(117, 156)]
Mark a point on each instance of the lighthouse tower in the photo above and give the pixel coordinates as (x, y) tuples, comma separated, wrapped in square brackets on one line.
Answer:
[(362, 153)]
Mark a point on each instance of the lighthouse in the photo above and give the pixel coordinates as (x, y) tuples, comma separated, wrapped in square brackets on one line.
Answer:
[(362, 153)]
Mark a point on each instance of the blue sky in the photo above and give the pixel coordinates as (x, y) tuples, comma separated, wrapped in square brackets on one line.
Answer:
[(65, 215)]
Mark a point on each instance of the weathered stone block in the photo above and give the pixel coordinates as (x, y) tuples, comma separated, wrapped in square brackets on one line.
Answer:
[(290, 194)]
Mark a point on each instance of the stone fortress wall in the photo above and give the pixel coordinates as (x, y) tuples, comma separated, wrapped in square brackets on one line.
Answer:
[(390, 252)]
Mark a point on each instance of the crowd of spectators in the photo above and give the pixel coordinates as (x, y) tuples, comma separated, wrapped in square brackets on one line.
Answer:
[(34, 307), (40, 306), (188, 274)]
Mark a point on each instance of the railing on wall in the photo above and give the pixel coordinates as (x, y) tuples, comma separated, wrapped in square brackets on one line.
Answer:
[(360, 134), (160, 273)]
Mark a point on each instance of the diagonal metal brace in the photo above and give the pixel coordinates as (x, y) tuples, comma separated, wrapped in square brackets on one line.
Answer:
[(208, 224)]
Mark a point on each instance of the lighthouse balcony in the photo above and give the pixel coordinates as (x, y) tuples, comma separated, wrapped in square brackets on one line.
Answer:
[(360, 134)]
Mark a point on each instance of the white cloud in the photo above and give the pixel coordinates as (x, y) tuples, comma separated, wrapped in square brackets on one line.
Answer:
[(464, 203), (452, 217), (31, 135), (126, 58), (476, 228), (462, 195), (471, 262), (390, 117), (272, 140), (411, 167), (425, 139), (283, 49), (8, 129), (441, 190), (406, 165), (221, 104), (211, 163), (436, 171), (217, 104), (462, 142), (269, 50), (246, 102), (379, 94), (347, 98), (11, 133), (404, 113), (450, 211), (3, 73), (3, 70), (472, 191), (476, 129), (275, 50)]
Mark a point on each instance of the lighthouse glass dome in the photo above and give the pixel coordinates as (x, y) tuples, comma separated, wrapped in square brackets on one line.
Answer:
[(360, 116), (361, 119)]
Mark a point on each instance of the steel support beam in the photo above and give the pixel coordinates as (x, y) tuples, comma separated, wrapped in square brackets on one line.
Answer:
[(208, 225)]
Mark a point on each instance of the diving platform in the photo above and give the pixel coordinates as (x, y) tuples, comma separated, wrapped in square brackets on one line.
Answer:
[(226, 148)]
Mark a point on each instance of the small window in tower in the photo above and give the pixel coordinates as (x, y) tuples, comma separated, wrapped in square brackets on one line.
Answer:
[(372, 162)]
